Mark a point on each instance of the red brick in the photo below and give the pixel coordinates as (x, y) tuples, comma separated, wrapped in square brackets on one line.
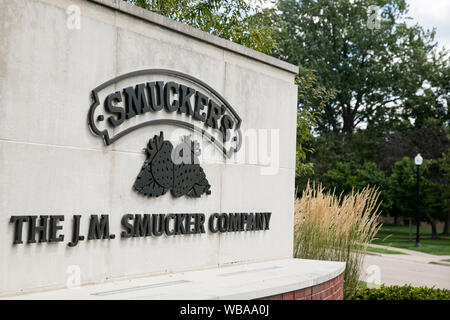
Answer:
[(288, 296), (329, 290), (308, 291), (302, 293), (315, 296), (318, 288), (336, 288), (299, 293)]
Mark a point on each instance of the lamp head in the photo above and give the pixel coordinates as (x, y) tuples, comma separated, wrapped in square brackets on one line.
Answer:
[(418, 160)]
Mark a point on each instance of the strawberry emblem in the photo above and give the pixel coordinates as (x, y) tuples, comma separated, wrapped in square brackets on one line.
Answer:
[(177, 169)]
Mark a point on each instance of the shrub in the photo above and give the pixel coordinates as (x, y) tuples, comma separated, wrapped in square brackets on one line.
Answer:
[(336, 228), (402, 293)]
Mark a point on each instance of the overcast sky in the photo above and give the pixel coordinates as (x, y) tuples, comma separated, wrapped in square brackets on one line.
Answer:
[(433, 13)]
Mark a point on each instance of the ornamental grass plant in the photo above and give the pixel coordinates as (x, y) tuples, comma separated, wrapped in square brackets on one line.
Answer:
[(336, 228)]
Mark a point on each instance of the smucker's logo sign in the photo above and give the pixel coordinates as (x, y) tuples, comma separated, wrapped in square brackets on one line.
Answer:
[(153, 98), (182, 101)]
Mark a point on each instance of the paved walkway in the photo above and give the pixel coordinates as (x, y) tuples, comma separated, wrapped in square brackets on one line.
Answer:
[(415, 268)]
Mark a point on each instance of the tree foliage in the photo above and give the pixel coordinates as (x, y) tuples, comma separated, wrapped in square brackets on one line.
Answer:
[(240, 21), (345, 166), (433, 205), (403, 185), (374, 69), (431, 142), (311, 97), (432, 101)]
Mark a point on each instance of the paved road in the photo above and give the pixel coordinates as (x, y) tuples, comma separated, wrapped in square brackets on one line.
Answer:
[(414, 269)]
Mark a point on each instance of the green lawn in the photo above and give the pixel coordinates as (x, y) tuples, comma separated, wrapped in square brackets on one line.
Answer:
[(446, 260), (398, 236), (383, 251)]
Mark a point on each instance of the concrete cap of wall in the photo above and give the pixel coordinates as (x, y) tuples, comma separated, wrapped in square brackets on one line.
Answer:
[(195, 33), (233, 282)]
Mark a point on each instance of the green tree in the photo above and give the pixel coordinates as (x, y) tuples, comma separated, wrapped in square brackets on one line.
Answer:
[(433, 205), (431, 103), (430, 141), (440, 194), (240, 21), (370, 175), (331, 155), (402, 187), (373, 67), (403, 190), (311, 97), (341, 178), (329, 149)]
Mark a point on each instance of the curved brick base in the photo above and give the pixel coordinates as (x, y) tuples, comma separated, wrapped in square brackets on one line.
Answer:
[(330, 290)]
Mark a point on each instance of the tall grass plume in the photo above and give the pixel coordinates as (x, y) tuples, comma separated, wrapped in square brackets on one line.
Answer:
[(337, 228)]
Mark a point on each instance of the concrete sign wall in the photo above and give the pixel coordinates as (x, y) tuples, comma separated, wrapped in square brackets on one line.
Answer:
[(72, 209)]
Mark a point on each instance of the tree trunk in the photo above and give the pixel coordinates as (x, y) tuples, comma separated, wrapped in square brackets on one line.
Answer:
[(433, 226), (446, 230), (348, 124), (330, 118), (347, 117)]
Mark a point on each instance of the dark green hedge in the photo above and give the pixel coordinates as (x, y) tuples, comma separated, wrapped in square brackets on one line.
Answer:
[(402, 293)]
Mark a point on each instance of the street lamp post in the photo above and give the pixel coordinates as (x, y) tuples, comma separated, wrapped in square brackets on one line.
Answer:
[(418, 160)]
